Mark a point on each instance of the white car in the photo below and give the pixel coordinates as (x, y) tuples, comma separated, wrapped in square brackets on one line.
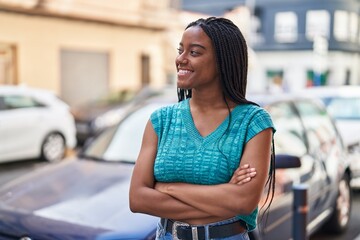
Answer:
[(34, 123), (343, 104)]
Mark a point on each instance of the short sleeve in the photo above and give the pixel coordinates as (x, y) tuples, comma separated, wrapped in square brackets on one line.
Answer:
[(260, 121), (155, 119)]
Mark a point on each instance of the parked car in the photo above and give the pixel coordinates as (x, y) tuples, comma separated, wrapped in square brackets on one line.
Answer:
[(343, 104), (93, 117), (306, 132), (34, 123), (87, 197)]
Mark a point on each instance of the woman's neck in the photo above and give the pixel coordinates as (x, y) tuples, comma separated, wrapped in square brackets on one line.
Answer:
[(210, 100)]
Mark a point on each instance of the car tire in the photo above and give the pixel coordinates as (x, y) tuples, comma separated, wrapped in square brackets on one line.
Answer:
[(340, 218), (53, 147)]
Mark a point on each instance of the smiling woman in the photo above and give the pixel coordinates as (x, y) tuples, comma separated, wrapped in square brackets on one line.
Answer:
[(202, 69), (205, 147)]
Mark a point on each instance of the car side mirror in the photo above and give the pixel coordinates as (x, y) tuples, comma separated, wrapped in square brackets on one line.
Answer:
[(287, 161)]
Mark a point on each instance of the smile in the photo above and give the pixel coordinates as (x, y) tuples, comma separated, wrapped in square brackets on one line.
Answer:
[(183, 72)]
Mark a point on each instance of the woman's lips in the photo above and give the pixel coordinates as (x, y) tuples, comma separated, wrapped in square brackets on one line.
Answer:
[(183, 72)]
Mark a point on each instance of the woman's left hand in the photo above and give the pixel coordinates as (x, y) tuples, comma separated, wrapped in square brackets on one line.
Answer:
[(243, 174)]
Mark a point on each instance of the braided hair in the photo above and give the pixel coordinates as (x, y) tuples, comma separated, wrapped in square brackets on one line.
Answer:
[(231, 55)]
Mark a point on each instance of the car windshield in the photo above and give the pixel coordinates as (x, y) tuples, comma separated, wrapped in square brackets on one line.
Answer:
[(122, 143), (344, 108)]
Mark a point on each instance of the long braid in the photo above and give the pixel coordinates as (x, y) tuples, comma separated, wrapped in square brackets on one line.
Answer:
[(232, 61), (231, 52)]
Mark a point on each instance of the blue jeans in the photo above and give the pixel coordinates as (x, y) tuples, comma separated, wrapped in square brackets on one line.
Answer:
[(161, 233)]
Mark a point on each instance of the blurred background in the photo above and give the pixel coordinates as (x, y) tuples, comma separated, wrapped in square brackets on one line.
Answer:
[(101, 58), (84, 50)]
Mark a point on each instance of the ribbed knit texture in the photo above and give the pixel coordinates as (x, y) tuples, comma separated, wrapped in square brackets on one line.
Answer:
[(186, 156)]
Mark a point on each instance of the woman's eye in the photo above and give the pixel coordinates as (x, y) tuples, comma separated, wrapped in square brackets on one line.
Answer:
[(192, 52), (180, 50)]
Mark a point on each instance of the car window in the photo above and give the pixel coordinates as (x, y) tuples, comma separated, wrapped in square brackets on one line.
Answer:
[(289, 138), (2, 104), (343, 108), (319, 127), (16, 101), (122, 143)]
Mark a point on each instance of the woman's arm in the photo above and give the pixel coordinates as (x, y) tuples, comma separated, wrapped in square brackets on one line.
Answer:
[(144, 198), (243, 174), (227, 200)]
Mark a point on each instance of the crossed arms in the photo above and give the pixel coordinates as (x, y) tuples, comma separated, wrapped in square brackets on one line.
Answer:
[(200, 204)]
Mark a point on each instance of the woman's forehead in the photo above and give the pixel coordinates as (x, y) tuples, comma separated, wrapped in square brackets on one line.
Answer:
[(195, 35)]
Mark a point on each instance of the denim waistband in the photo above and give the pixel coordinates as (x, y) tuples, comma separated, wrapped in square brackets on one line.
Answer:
[(227, 229)]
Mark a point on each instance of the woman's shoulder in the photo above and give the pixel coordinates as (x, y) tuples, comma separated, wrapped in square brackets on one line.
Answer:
[(251, 113), (171, 107), (168, 110), (250, 109)]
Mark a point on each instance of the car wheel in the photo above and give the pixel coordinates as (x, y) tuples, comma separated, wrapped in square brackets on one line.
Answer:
[(340, 219), (53, 147)]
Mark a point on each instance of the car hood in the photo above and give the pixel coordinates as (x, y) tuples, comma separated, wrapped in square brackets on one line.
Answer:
[(90, 112), (83, 194)]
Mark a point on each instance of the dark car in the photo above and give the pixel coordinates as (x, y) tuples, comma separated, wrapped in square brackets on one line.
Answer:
[(95, 116), (87, 197)]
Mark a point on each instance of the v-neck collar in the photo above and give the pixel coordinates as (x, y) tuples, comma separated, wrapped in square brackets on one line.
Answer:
[(193, 131)]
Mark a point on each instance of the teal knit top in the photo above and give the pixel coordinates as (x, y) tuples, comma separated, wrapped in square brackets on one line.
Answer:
[(185, 156)]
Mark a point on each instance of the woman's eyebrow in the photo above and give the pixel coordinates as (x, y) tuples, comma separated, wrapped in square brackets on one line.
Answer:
[(193, 45), (197, 45)]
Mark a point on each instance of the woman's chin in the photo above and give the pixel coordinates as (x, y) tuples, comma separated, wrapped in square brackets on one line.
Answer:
[(183, 85)]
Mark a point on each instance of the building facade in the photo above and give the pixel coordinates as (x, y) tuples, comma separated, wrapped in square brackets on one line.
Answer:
[(85, 49), (306, 43), (297, 43)]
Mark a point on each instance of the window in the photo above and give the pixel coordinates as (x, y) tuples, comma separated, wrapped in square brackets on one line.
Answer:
[(354, 27), (121, 143), (319, 128), (145, 70), (289, 138), (8, 73), (275, 80), (359, 31), (286, 27), (317, 24), (315, 78), (344, 108), (15, 102), (341, 25)]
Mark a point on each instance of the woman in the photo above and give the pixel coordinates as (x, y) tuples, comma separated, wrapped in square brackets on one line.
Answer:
[(187, 172)]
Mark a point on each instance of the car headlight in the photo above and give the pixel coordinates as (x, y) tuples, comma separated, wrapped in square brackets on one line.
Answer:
[(355, 148), (108, 119)]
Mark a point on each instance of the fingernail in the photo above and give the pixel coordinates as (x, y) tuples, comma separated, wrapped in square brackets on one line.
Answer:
[(252, 173)]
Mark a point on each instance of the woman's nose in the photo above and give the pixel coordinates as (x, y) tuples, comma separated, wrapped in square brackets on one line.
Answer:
[(181, 60)]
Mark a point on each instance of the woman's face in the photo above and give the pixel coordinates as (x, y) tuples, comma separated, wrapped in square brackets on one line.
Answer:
[(196, 63)]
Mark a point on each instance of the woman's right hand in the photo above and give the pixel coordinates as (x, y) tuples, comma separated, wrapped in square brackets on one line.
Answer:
[(243, 174)]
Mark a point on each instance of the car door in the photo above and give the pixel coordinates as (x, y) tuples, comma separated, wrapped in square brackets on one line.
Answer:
[(289, 140), (325, 148), (19, 127)]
